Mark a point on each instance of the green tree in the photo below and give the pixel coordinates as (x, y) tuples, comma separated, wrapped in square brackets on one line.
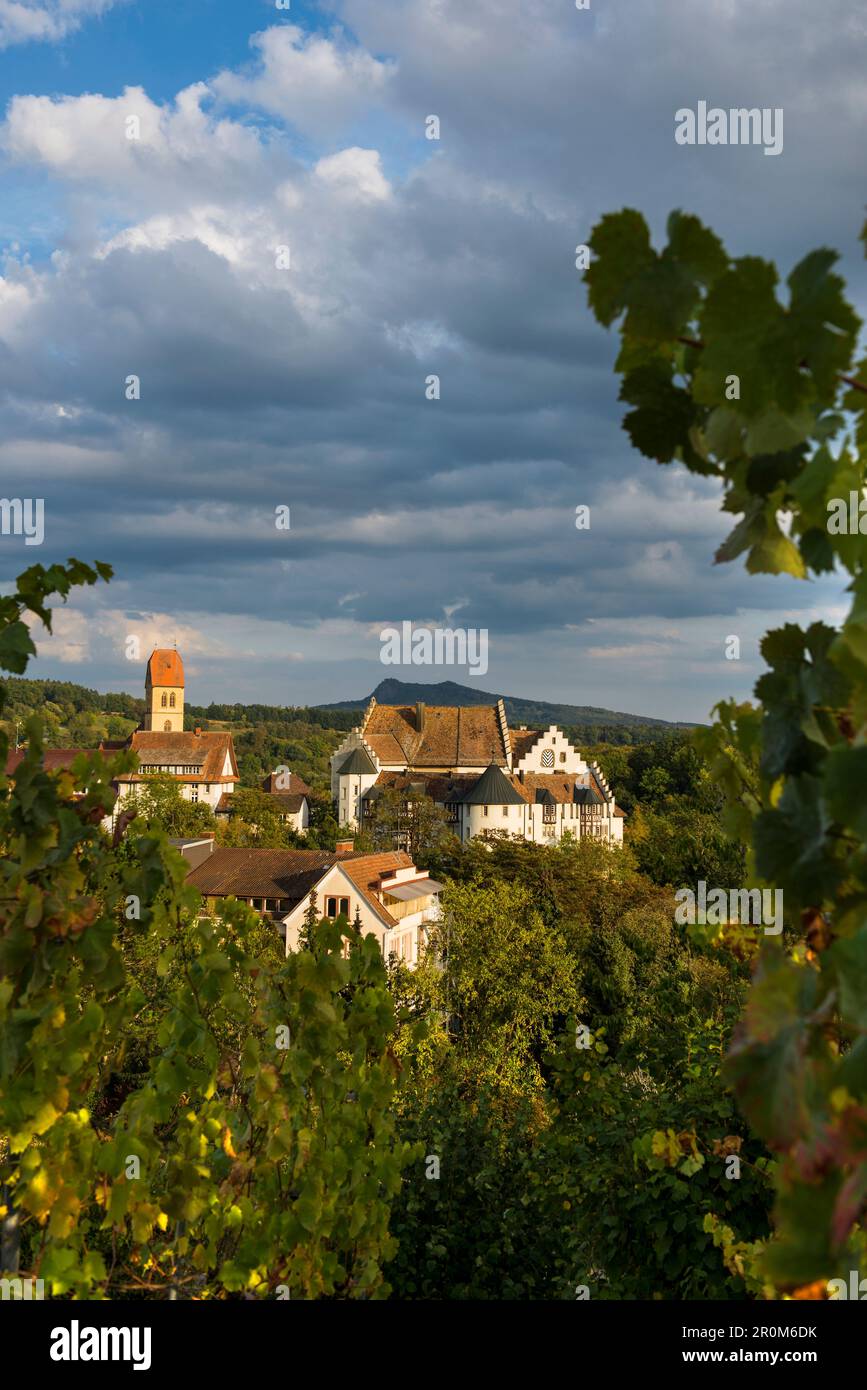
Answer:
[(255, 1148), (737, 384)]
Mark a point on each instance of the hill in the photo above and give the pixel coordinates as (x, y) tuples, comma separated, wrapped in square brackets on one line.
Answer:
[(518, 709)]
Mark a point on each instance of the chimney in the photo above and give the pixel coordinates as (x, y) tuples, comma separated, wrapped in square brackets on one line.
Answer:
[(419, 717), (344, 846)]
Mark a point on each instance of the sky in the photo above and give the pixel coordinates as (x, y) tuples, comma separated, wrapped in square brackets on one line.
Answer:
[(236, 203)]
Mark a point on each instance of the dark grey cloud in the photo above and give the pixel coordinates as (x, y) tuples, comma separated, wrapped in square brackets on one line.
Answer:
[(263, 387)]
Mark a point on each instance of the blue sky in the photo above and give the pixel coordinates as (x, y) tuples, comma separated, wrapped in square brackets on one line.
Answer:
[(264, 387)]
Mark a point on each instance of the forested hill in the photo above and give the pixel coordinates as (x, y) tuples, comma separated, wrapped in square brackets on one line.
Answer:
[(533, 713)]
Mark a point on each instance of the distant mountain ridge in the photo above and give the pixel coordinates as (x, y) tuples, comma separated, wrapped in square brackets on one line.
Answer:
[(519, 711)]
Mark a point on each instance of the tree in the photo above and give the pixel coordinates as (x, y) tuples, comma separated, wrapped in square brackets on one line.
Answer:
[(407, 820), (737, 385), (159, 804), (252, 1146)]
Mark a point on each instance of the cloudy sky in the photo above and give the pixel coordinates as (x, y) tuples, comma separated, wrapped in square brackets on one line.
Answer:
[(265, 386)]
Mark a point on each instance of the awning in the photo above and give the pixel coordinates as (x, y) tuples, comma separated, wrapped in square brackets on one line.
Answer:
[(419, 888)]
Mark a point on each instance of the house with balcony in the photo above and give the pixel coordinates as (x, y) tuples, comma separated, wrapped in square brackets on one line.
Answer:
[(384, 894)]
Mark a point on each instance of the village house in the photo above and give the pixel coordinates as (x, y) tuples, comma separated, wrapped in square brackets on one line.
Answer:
[(491, 781), (202, 764), (385, 893)]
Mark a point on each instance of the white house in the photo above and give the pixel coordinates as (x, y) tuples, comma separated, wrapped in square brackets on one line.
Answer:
[(386, 893), (491, 780)]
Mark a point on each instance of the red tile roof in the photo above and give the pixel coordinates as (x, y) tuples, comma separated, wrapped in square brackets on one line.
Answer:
[(207, 752), (53, 759), (450, 735), (291, 873), (287, 783), (165, 668)]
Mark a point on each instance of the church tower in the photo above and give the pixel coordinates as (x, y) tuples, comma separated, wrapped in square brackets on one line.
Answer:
[(164, 692)]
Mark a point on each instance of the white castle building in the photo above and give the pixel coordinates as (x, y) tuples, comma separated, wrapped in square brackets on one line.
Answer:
[(492, 781)]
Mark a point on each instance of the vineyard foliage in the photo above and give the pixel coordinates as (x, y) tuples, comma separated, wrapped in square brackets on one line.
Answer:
[(185, 1110), (760, 389)]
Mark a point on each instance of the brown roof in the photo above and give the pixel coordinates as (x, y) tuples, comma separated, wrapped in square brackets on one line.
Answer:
[(290, 802), (366, 871), (291, 873), (444, 789), (450, 736), (207, 752), (522, 741), (165, 668), (288, 783), (53, 759), (440, 788)]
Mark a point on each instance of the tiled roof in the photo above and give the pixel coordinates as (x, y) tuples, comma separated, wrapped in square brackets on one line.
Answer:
[(522, 741), (290, 782), (450, 735), (289, 802), (358, 764), (535, 788), (441, 788), (207, 752), (261, 873), (53, 759), (493, 788), (165, 668), (366, 871), (291, 873)]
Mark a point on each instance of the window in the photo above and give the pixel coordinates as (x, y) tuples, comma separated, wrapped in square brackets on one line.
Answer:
[(344, 907), (164, 700), (505, 810), (194, 792), (484, 810), (172, 700), (549, 814), (167, 727), (562, 755), (548, 757), (331, 907)]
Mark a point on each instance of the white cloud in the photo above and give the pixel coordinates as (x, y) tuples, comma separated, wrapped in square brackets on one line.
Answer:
[(23, 21), (317, 84)]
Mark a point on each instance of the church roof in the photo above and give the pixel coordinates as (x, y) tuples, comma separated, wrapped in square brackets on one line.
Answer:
[(357, 764), (165, 667), (492, 789)]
